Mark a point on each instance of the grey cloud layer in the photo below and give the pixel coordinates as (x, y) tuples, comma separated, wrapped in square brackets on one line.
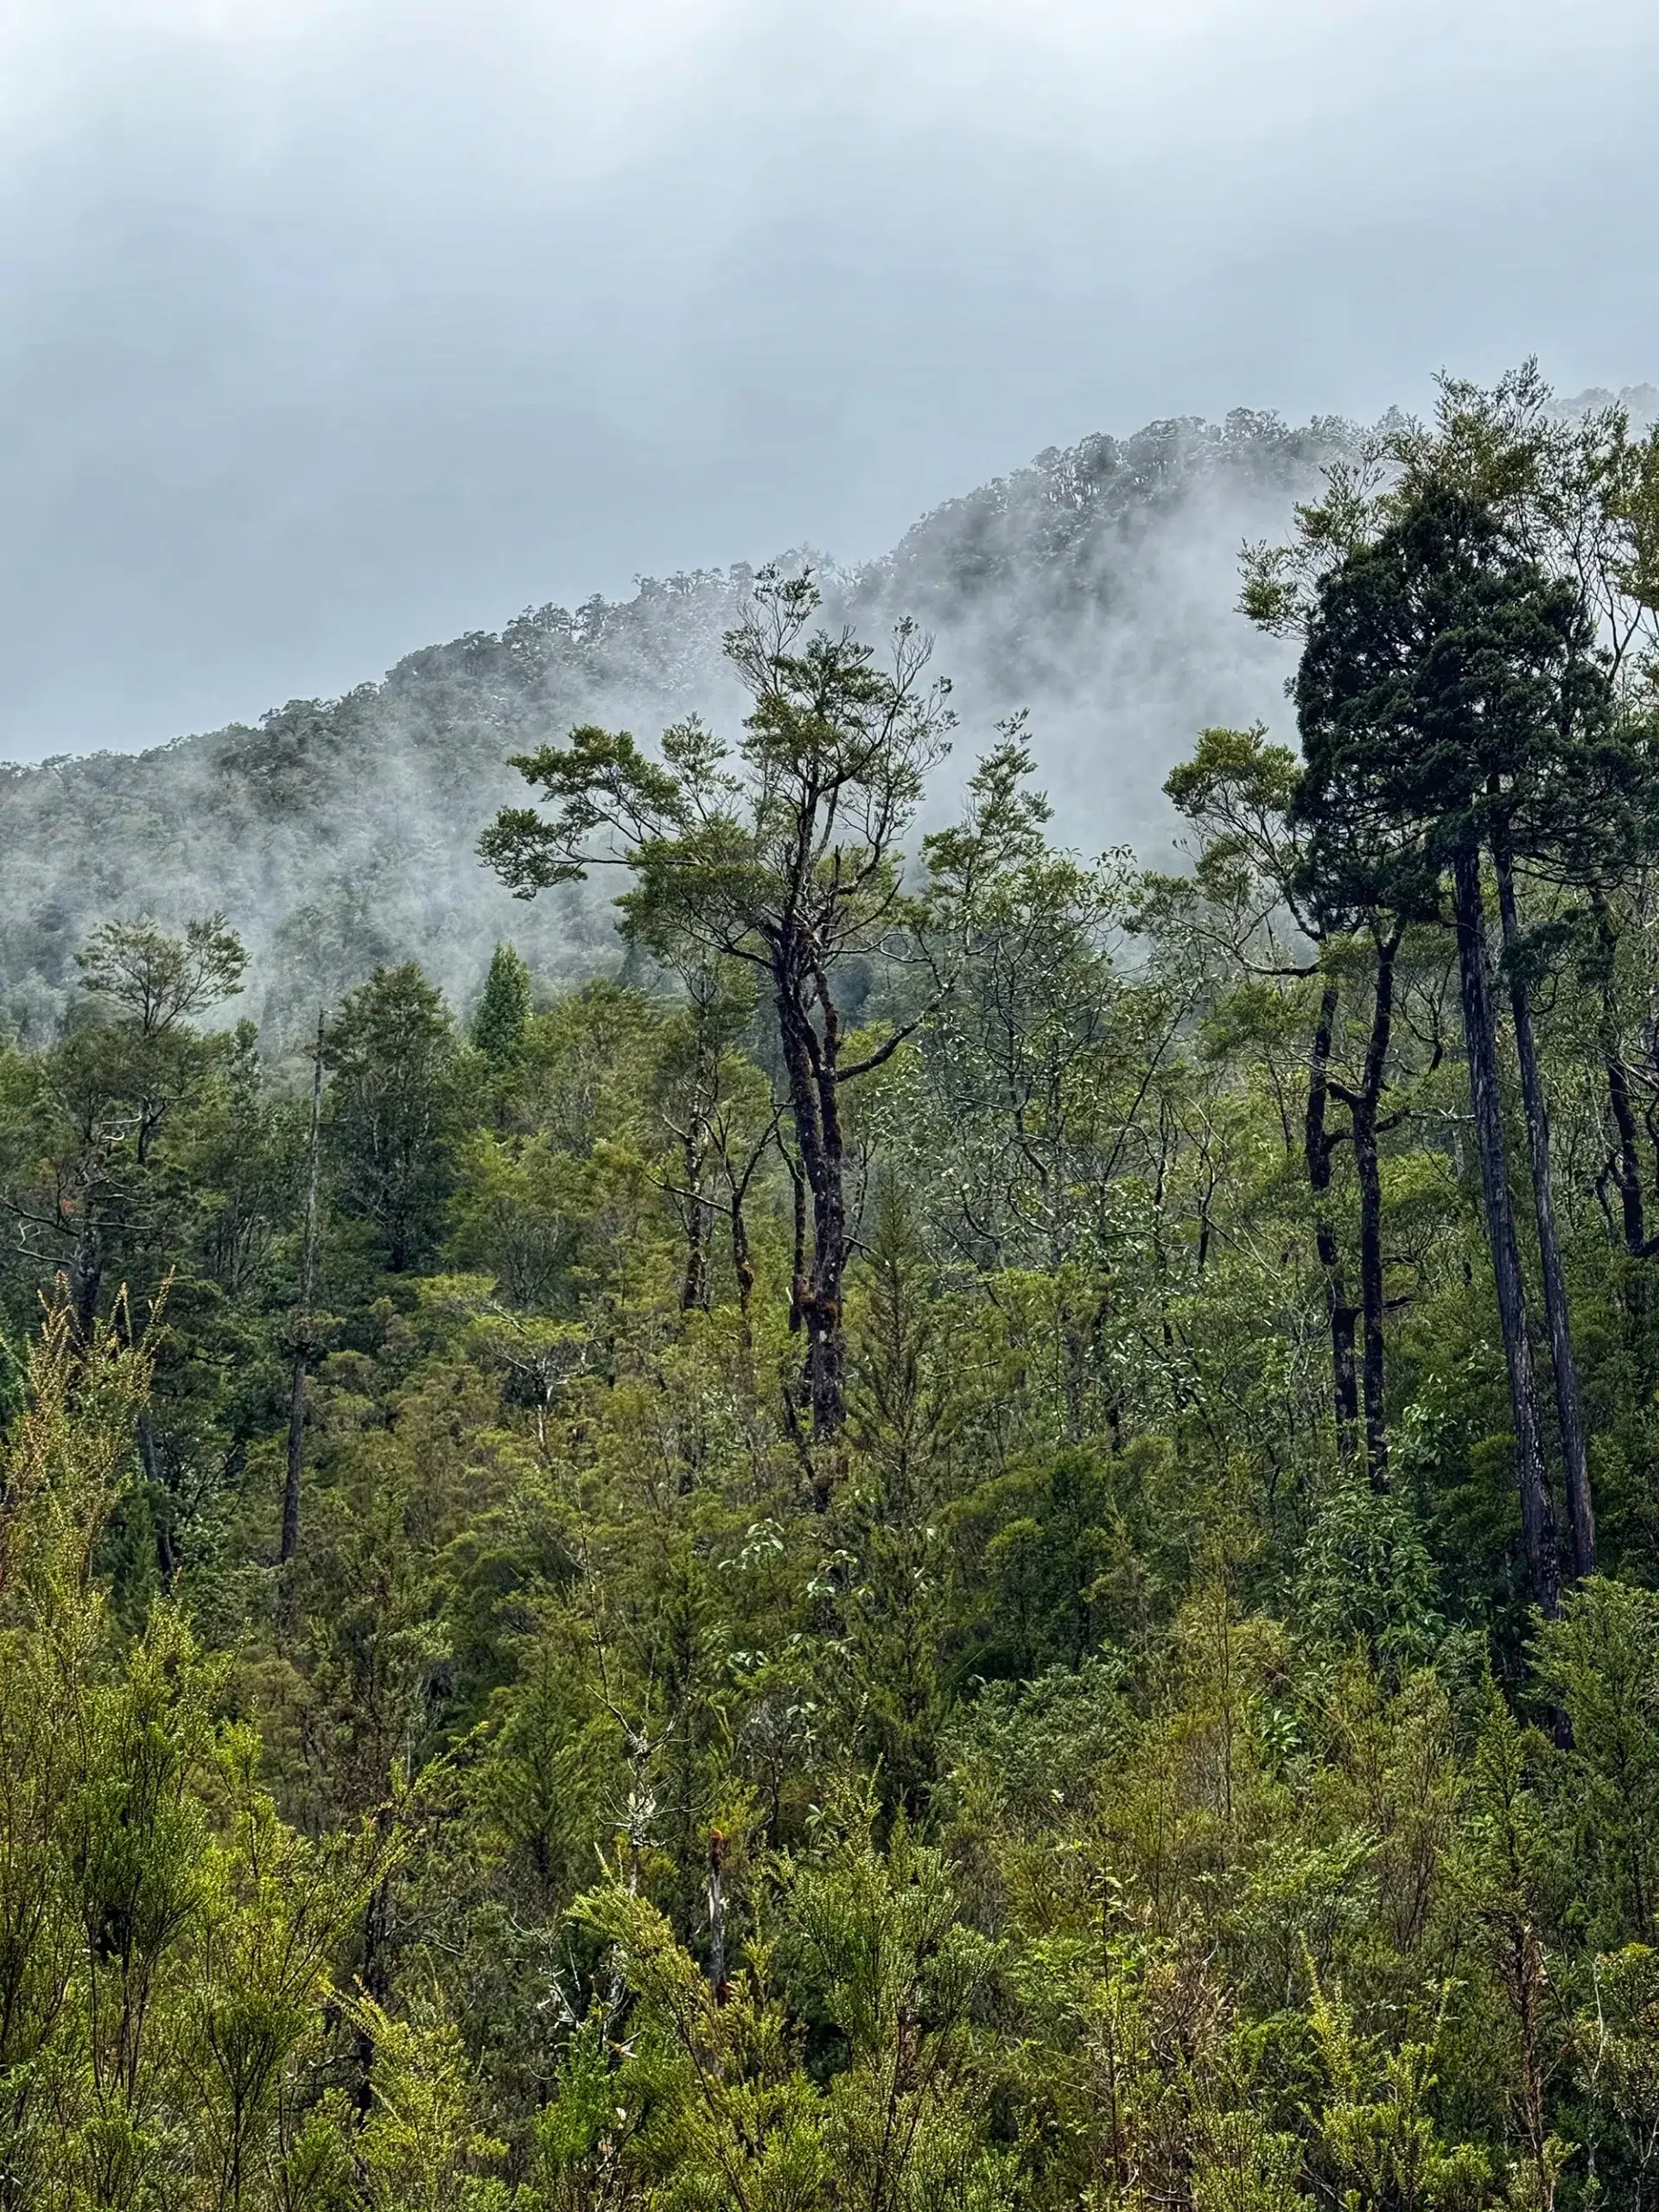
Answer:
[(327, 329)]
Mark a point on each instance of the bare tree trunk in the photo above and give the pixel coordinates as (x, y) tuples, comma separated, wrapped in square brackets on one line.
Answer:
[(1632, 1209), (797, 1242), (743, 1260), (161, 1504), (1480, 1041), (290, 1540), (1627, 1162), (86, 1274), (825, 1332), (737, 1187), (1372, 1372), (1317, 1143), (159, 1492), (810, 1061), (738, 1181), (694, 1285), (1371, 1298), (717, 1982), (371, 1973), (1569, 1404)]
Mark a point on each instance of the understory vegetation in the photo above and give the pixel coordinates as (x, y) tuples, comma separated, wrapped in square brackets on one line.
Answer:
[(983, 1535)]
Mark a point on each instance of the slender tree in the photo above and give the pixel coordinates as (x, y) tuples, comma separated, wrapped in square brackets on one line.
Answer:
[(1599, 970), (1451, 702), (1572, 505), (1273, 914), (783, 854), (1569, 1404), (290, 1538)]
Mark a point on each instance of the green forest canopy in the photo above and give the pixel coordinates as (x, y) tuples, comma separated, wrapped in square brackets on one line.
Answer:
[(981, 1533)]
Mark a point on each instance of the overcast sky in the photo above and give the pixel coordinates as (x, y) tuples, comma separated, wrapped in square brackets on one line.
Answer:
[(329, 327)]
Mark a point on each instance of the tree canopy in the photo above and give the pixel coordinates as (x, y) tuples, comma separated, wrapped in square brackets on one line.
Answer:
[(978, 1532)]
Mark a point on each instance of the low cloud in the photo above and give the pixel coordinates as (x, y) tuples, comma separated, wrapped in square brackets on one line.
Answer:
[(328, 328)]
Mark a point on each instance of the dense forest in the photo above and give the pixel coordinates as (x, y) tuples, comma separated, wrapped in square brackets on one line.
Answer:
[(966, 1524), (1092, 589)]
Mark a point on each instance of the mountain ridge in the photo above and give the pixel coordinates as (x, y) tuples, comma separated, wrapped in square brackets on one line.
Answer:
[(1094, 586)]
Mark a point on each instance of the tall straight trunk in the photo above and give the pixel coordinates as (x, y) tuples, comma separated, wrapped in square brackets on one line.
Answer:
[(1316, 1148), (1632, 1206), (695, 1141), (290, 1540), (1627, 1161), (743, 1271), (1569, 1403), (810, 1061), (1480, 1043), (161, 1501), (1371, 1299), (719, 1986), (86, 1272), (693, 1283)]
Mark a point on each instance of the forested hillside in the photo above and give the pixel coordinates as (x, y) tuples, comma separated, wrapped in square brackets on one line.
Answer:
[(977, 1528), (1094, 588)]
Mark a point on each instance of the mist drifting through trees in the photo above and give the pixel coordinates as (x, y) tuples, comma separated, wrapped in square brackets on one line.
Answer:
[(841, 1391)]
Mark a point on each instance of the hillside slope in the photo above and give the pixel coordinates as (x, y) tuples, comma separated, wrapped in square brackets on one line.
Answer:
[(1095, 587)]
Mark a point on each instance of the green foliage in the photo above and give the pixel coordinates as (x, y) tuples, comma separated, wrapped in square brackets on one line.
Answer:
[(883, 2102), (1435, 632), (420, 2148), (167, 1944), (1079, 1779), (504, 1012), (396, 1105), (155, 980), (1600, 1664), (1365, 1574)]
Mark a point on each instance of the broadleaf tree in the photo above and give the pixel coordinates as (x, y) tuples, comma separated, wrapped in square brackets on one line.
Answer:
[(783, 853)]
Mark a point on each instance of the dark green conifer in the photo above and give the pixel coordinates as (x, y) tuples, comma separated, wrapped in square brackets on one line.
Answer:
[(1453, 702), (504, 1011)]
